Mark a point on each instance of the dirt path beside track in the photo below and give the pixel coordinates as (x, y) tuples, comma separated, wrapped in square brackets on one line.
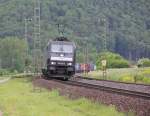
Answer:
[(1, 114), (4, 80)]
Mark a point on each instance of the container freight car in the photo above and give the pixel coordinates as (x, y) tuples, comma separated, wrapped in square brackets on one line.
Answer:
[(84, 67)]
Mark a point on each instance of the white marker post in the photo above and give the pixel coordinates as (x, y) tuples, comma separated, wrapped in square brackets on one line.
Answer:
[(104, 64)]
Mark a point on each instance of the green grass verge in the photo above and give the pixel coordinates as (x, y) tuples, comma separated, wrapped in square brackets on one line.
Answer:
[(138, 75), (4, 77), (17, 98)]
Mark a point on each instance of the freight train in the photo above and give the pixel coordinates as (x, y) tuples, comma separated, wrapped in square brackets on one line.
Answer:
[(60, 59), (84, 67)]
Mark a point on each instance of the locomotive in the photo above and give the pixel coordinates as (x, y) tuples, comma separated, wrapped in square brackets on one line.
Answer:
[(60, 59)]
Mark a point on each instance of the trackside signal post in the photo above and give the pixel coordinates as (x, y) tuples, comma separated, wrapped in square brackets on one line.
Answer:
[(104, 35), (104, 64)]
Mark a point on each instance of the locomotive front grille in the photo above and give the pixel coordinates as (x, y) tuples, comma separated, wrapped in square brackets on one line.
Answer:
[(61, 70), (61, 63)]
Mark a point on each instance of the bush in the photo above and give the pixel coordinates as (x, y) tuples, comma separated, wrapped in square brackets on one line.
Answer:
[(119, 64), (139, 77), (127, 79), (22, 75), (146, 80), (113, 60), (146, 72), (144, 62), (4, 72)]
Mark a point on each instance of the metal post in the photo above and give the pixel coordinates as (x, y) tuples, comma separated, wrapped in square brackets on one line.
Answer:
[(26, 20), (26, 37), (104, 36), (104, 33), (0, 63), (25, 29), (37, 39), (85, 59)]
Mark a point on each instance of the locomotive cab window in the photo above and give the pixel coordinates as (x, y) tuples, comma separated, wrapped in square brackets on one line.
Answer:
[(62, 48)]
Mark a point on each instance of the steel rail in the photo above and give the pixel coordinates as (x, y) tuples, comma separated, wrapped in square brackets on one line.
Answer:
[(88, 78), (104, 88)]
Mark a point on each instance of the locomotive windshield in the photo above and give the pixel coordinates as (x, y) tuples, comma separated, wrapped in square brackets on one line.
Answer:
[(65, 48)]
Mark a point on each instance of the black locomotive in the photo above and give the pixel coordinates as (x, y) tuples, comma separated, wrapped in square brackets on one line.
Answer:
[(60, 59)]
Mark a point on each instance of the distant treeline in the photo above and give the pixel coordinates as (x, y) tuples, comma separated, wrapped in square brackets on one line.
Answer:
[(126, 25)]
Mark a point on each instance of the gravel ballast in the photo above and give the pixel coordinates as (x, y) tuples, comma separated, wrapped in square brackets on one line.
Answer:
[(140, 106)]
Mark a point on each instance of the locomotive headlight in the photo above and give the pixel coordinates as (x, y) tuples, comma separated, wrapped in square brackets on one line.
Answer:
[(69, 64), (61, 55), (53, 63)]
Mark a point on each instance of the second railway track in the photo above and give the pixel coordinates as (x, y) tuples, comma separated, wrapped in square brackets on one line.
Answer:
[(90, 78), (108, 89), (145, 89)]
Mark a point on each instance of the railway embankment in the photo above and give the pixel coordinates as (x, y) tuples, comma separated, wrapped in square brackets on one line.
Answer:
[(123, 102)]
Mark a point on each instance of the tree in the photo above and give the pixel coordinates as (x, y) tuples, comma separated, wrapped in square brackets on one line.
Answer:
[(13, 53)]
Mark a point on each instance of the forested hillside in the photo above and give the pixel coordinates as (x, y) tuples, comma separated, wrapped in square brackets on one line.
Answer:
[(127, 23)]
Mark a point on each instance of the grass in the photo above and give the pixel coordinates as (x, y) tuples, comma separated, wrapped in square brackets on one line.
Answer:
[(17, 98), (4, 77), (138, 75)]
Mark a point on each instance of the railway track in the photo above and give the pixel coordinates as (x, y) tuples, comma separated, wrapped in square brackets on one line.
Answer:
[(108, 89), (113, 84), (128, 89), (90, 78)]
